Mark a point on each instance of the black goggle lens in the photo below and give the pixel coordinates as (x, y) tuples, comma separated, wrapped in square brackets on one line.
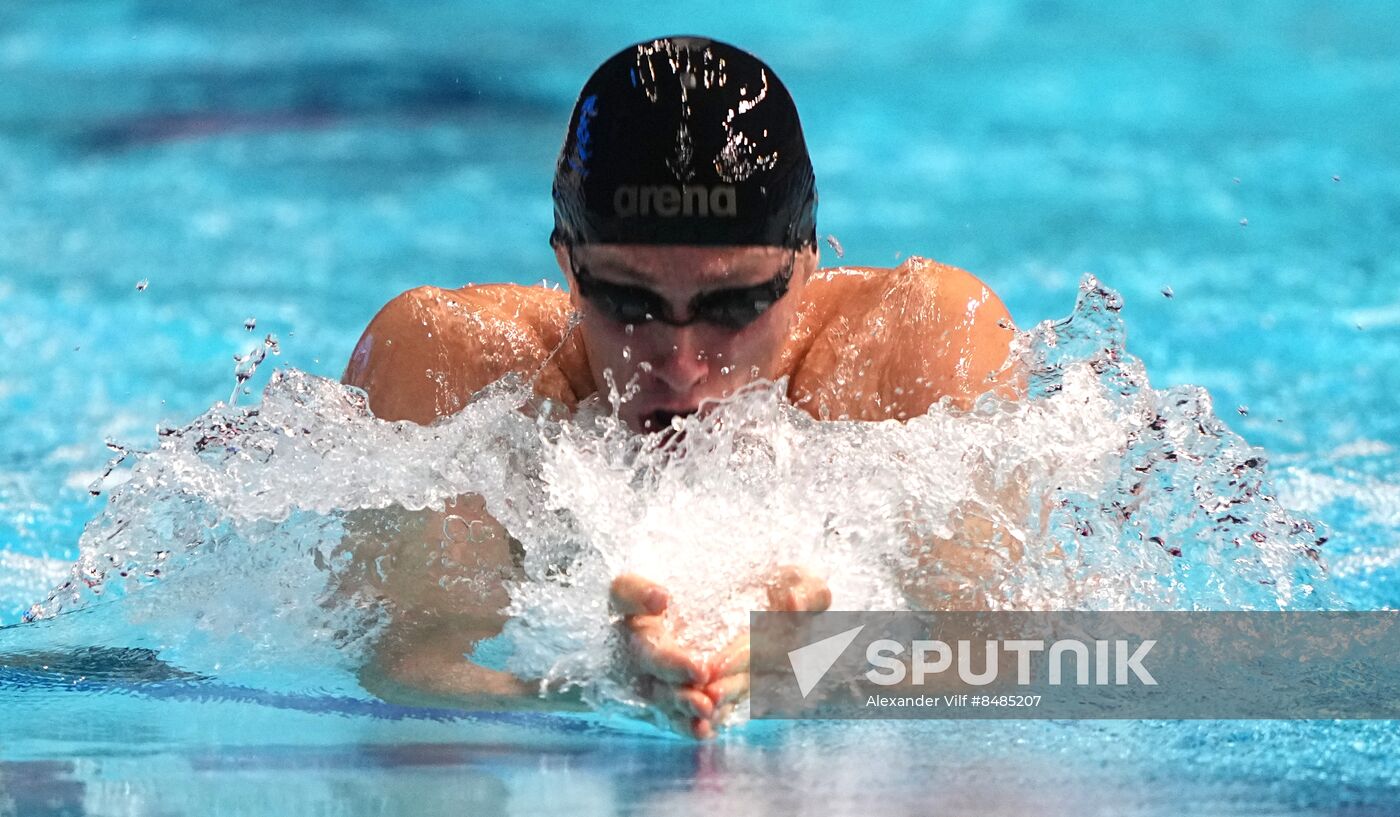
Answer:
[(728, 308)]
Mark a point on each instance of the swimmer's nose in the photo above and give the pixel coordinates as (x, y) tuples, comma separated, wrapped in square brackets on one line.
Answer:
[(683, 364)]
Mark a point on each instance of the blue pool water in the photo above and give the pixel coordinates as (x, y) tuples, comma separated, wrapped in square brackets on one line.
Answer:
[(169, 171)]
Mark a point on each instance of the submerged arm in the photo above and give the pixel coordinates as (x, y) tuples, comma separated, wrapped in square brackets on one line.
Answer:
[(442, 574), (957, 344)]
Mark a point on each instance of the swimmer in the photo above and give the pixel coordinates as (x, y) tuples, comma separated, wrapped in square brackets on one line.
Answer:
[(685, 226)]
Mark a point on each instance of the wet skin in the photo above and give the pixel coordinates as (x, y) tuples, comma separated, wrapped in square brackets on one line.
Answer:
[(854, 343)]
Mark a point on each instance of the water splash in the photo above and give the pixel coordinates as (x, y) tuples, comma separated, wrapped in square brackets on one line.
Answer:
[(245, 366), (226, 547)]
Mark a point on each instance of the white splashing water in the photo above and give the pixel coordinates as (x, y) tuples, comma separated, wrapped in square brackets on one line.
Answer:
[(224, 548)]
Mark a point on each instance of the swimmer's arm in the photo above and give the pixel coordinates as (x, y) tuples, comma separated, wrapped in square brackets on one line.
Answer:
[(443, 595), (422, 356), (429, 669), (957, 345), (962, 570)]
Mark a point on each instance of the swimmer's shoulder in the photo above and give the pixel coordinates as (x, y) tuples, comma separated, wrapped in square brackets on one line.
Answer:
[(896, 340), (853, 292), (429, 349)]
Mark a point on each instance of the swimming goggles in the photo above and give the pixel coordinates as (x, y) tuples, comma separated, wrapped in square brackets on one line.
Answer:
[(732, 308)]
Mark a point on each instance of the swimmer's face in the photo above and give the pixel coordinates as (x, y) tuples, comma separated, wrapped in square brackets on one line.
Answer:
[(678, 366)]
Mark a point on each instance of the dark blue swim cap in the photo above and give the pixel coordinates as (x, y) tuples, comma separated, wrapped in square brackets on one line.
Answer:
[(684, 140)]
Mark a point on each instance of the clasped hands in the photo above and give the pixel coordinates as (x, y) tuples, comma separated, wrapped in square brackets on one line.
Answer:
[(698, 695)]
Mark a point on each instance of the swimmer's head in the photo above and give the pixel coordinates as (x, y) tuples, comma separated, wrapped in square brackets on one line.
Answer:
[(685, 223), (687, 141)]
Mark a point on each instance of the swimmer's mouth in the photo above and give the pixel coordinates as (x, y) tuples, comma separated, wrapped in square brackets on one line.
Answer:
[(661, 420)]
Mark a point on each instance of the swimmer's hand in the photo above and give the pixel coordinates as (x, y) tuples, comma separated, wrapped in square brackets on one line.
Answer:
[(671, 678), (697, 695)]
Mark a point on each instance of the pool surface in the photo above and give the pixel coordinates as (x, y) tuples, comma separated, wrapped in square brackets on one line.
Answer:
[(179, 181)]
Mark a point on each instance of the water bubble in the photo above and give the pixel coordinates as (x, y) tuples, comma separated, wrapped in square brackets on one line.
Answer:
[(142, 284), (250, 324), (835, 246), (455, 528), (1244, 222), (627, 353), (629, 329)]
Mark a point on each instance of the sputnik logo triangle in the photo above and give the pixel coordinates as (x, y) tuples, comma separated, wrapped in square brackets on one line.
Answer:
[(811, 663)]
